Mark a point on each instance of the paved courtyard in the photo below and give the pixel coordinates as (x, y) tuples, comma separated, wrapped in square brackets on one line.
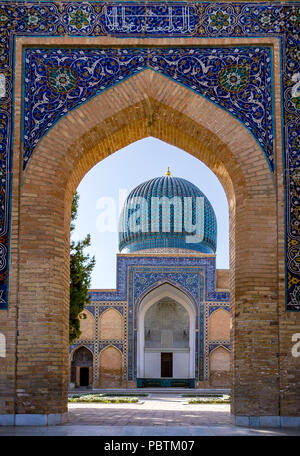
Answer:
[(156, 410), (156, 415)]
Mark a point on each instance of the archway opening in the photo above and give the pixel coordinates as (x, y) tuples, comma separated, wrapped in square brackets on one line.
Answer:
[(104, 188), (111, 326)]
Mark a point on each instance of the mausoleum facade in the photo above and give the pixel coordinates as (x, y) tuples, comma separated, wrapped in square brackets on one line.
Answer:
[(168, 321)]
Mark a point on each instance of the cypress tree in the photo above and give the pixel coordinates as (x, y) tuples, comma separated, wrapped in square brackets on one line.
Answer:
[(81, 267)]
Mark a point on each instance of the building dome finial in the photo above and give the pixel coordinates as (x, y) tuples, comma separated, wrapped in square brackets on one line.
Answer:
[(168, 173)]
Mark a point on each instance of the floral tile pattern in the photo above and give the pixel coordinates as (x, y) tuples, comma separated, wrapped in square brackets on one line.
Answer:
[(58, 80)]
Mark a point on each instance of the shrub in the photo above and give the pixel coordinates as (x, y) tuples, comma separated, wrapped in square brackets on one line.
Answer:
[(89, 398), (210, 400)]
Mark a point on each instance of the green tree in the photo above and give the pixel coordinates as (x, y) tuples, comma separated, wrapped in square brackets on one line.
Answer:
[(81, 266)]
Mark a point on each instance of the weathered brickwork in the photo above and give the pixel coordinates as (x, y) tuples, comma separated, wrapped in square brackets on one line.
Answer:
[(222, 279), (34, 375), (110, 368), (219, 367)]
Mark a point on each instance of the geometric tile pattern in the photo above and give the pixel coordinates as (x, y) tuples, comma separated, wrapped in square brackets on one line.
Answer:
[(158, 19), (98, 344)]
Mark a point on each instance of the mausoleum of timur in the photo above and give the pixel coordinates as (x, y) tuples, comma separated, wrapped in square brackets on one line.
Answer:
[(168, 321)]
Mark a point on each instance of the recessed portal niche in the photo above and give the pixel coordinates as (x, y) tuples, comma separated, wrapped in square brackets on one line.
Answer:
[(82, 367)]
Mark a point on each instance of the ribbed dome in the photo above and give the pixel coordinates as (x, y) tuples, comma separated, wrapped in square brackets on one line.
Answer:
[(147, 224)]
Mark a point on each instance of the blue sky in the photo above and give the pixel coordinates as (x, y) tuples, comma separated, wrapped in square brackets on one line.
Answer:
[(107, 183)]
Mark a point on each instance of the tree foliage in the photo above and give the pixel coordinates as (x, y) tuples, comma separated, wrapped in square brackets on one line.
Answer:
[(81, 266)]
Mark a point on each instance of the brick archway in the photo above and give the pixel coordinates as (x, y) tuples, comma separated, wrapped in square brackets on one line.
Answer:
[(146, 104)]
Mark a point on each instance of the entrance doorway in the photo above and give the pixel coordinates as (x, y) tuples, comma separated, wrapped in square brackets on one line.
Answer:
[(82, 368), (84, 376), (167, 365)]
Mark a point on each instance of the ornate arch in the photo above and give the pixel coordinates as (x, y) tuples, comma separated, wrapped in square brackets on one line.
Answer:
[(76, 348), (173, 284), (112, 120), (158, 292)]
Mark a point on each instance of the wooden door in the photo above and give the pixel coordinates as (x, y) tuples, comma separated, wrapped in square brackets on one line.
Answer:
[(166, 364)]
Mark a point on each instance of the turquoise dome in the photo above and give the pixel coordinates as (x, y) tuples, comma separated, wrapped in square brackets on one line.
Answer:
[(145, 223)]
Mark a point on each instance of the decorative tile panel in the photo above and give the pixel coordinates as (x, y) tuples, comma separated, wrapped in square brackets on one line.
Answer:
[(238, 80)]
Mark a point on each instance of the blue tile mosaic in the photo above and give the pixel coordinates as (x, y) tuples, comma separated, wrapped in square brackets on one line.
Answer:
[(218, 344), (158, 226), (177, 19), (138, 275)]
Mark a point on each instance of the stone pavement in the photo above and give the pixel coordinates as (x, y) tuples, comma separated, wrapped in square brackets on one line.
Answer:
[(156, 410), (156, 415), (117, 431)]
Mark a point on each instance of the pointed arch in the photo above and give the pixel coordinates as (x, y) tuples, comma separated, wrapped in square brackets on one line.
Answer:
[(87, 325), (219, 366), (110, 367), (156, 285), (79, 347), (219, 325), (130, 111), (111, 325)]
